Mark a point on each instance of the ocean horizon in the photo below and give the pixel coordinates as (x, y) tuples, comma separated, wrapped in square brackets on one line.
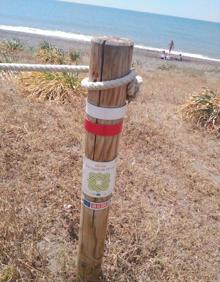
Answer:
[(192, 38)]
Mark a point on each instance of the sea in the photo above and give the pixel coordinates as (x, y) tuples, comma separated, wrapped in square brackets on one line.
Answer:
[(64, 19)]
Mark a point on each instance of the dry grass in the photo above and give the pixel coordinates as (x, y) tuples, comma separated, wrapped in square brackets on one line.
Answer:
[(163, 224), (61, 87), (48, 53), (203, 109), (29, 207), (9, 273)]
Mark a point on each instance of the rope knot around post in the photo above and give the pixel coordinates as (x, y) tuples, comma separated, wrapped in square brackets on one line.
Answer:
[(134, 88), (132, 81)]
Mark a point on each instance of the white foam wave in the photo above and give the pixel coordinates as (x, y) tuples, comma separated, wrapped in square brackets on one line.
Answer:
[(45, 32), (87, 38)]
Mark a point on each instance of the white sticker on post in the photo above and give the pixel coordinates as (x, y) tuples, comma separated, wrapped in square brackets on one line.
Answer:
[(98, 178)]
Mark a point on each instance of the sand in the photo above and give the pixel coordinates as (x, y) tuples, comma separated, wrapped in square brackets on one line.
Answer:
[(148, 60), (164, 220)]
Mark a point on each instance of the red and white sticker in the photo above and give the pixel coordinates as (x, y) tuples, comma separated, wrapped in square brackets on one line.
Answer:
[(96, 206)]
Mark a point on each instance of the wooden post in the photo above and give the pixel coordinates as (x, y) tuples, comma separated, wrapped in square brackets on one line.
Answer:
[(110, 59)]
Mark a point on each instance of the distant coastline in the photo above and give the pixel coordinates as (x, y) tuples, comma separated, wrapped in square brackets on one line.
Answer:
[(87, 38), (77, 22)]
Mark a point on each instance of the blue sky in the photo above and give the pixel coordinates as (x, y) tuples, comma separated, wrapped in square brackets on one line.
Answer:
[(196, 9)]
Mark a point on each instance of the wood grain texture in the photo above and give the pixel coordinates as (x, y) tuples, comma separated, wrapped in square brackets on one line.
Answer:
[(110, 59)]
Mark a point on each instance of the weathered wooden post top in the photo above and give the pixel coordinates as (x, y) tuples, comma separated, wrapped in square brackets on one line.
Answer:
[(110, 59)]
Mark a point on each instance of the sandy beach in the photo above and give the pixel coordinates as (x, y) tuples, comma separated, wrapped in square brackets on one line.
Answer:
[(148, 60), (165, 208)]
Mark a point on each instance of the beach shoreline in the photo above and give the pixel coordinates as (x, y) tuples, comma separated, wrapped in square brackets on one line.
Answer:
[(147, 59)]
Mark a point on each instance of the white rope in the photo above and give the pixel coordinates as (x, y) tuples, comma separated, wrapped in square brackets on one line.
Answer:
[(41, 67), (108, 84)]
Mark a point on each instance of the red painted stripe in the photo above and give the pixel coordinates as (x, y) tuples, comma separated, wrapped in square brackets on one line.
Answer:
[(103, 129)]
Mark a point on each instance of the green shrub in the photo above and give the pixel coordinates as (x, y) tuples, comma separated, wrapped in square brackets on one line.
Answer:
[(74, 56), (11, 45)]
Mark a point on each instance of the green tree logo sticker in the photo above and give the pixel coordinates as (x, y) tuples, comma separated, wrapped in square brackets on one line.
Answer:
[(98, 182)]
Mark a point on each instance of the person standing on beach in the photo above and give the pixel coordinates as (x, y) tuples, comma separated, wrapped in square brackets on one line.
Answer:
[(171, 46)]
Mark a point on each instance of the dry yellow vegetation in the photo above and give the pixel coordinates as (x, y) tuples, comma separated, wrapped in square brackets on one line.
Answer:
[(61, 87), (203, 109)]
